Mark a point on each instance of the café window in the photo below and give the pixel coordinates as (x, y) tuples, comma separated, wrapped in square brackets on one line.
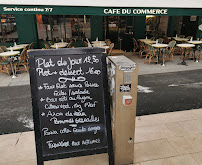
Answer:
[(115, 29), (156, 26), (58, 27), (150, 25), (8, 30)]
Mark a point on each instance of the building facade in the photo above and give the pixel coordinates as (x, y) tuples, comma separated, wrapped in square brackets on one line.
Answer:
[(37, 23)]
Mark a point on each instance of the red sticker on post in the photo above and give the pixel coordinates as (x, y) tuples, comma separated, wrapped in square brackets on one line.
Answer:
[(127, 100)]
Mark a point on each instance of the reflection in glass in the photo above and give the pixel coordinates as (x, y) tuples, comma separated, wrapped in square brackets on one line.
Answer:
[(8, 30), (58, 27)]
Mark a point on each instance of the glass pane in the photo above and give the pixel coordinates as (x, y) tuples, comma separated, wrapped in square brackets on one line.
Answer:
[(122, 27), (8, 30), (115, 29), (87, 27), (42, 25), (79, 27), (57, 27), (150, 26)]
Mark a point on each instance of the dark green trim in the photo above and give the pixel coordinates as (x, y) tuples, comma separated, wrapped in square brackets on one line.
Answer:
[(26, 29), (139, 27), (129, 24), (96, 27), (171, 26), (72, 10), (7, 44)]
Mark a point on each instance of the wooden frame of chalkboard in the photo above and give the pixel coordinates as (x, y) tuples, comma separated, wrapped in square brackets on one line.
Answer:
[(108, 148)]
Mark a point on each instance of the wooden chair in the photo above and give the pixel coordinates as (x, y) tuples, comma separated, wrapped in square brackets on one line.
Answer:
[(135, 46), (146, 53), (166, 40), (189, 37), (152, 38), (143, 49), (4, 64), (47, 46), (4, 48), (69, 45), (50, 43), (189, 53), (85, 43), (31, 46), (27, 47), (108, 42), (116, 52), (182, 36), (22, 60), (152, 55), (110, 49), (169, 52), (160, 40)]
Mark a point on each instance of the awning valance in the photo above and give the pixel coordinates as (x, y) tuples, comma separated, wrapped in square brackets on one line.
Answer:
[(102, 11)]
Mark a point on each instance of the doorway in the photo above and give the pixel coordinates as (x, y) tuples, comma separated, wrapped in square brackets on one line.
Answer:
[(189, 26), (119, 29)]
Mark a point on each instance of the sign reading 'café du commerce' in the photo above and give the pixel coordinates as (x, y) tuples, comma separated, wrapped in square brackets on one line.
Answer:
[(136, 11)]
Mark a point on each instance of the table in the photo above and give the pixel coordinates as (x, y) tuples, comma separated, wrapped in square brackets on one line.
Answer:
[(105, 47), (17, 47), (197, 43), (185, 46), (9, 54), (143, 40), (24, 45), (160, 46), (99, 44), (149, 42), (180, 39), (94, 42), (59, 45)]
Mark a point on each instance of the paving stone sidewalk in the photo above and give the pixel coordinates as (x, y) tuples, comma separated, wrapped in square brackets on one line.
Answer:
[(173, 138)]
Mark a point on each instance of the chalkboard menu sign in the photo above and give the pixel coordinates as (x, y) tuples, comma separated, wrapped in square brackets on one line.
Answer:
[(70, 103)]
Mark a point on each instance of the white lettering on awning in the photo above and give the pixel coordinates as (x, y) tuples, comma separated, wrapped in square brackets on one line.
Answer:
[(137, 11)]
